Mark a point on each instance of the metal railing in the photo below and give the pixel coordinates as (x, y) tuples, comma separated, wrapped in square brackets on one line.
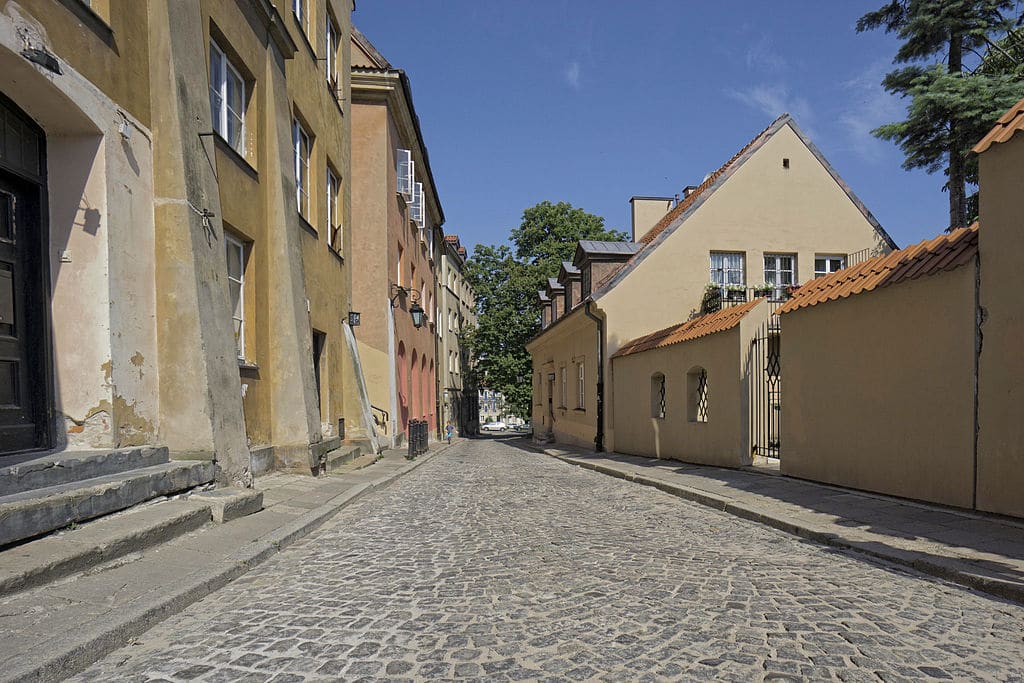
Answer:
[(419, 437), (380, 418), (717, 298)]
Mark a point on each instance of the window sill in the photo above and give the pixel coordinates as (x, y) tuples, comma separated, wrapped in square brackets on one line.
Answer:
[(337, 254), (247, 365), (579, 410), (235, 155), (307, 225)]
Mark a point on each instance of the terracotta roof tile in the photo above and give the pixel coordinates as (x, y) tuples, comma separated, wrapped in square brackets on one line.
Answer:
[(1008, 125), (723, 320), (945, 252), (451, 238)]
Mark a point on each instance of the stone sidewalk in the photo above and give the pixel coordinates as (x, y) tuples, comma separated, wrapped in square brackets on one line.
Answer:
[(50, 632), (980, 551)]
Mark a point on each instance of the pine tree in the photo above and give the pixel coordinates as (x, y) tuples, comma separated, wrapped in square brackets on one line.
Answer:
[(951, 106)]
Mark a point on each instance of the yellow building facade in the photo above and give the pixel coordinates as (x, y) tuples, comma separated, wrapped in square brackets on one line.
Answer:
[(182, 274)]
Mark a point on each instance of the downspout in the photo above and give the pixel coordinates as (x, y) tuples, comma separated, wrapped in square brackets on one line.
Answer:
[(599, 439), (979, 320)]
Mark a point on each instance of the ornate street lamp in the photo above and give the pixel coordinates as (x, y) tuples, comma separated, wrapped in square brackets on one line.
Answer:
[(418, 314)]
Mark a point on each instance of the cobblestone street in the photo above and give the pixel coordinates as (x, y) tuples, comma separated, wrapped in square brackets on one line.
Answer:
[(494, 563)]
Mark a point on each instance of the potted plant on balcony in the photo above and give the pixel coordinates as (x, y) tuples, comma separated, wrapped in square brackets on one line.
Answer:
[(763, 289), (712, 299), (735, 292)]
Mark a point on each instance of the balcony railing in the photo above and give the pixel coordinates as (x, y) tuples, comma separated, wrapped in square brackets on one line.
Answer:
[(717, 298)]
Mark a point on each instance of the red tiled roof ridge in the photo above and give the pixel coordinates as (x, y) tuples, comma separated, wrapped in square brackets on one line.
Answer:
[(695, 328), (941, 253), (1006, 127)]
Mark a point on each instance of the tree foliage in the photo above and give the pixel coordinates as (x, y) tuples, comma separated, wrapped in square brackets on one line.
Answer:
[(505, 279), (951, 104)]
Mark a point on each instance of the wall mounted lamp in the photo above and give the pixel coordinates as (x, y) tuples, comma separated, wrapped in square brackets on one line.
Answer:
[(416, 311)]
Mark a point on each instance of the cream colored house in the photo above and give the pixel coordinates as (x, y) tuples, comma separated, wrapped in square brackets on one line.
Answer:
[(776, 213)]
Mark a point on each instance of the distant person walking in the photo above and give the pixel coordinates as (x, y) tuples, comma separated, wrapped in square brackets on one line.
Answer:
[(448, 432)]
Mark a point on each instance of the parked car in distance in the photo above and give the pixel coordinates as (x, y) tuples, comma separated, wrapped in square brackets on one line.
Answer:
[(494, 427)]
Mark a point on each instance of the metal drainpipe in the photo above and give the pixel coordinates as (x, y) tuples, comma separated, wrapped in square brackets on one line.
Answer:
[(599, 439)]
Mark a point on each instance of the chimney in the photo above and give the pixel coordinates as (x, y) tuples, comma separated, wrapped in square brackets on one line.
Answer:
[(688, 190), (646, 211)]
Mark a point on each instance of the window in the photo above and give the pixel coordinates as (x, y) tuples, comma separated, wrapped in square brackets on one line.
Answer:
[(406, 173), (333, 36), (227, 99), (236, 291), (319, 344), (585, 282), (823, 265), (451, 320), (565, 389), (301, 141), (727, 268), (580, 401), (697, 392), (780, 272), (658, 396), (398, 267), (300, 8), (334, 234)]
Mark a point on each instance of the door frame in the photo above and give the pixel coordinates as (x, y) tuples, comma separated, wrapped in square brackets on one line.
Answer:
[(44, 400)]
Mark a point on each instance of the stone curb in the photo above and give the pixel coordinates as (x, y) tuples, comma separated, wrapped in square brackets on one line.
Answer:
[(952, 570), (70, 657)]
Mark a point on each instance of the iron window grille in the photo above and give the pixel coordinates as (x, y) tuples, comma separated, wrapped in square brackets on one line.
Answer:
[(701, 397)]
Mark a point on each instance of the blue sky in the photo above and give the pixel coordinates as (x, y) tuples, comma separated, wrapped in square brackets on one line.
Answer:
[(594, 101)]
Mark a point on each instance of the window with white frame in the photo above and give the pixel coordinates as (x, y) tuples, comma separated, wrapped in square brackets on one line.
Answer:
[(236, 280), (332, 40), (727, 268), (824, 264), (227, 99), (779, 272), (302, 144), (398, 267), (300, 8), (334, 232), (580, 398)]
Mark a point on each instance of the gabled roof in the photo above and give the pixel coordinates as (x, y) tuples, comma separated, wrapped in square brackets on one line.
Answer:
[(554, 285), (567, 269), (1008, 125), (543, 295), (945, 252), (593, 249), (686, 208), (720, 321), (372, 52)]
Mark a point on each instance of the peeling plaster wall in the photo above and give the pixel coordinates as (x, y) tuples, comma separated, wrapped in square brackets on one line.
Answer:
[(100, 227)]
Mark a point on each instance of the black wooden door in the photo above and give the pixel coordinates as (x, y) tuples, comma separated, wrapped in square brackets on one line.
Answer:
[(21, 308)]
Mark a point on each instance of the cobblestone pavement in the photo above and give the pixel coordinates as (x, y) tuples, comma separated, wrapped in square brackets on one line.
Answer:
[(497, 564)]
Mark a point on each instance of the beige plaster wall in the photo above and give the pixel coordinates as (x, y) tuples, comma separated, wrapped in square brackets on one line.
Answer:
[(574, 338), (719, 441), (877, 390), (1001, 364)]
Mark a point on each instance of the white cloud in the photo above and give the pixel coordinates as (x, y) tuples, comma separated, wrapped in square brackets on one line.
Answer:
[(572, 75), (774, 100), (870, 106), (761, 56)]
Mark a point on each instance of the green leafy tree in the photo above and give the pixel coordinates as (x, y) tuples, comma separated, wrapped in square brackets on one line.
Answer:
[(951, 106), (505, 280)]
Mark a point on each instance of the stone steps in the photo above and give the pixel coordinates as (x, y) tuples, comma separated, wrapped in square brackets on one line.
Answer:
[(77, 549), (53, 469), (354, 464), (30, 513)]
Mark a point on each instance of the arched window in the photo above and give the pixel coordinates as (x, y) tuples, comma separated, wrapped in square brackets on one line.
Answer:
[(697, 395), (658, 395)]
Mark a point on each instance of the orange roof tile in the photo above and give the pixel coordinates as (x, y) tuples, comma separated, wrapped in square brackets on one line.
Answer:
[(1008, 125), (723, 320), (945, 252)]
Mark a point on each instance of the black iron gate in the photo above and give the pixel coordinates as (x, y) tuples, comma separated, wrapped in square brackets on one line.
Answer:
[(764, 388)]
